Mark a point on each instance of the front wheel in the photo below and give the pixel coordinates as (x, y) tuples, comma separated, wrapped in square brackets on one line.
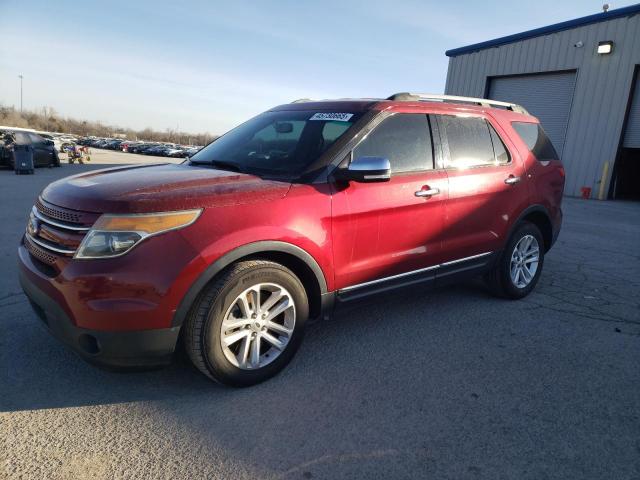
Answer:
[(247, 325), (519, 267)]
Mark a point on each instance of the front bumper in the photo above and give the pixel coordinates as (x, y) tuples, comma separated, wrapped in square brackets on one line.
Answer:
[(118, 349)]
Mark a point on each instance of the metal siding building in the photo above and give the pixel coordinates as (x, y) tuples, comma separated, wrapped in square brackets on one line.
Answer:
[(583, 99)]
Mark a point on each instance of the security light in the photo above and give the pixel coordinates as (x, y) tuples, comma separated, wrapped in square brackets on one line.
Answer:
[(605, 48)]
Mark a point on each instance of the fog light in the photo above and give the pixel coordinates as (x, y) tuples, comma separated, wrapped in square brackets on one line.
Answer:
[(89, 344)]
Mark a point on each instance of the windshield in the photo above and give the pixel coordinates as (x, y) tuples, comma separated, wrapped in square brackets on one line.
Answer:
[(280, 144)]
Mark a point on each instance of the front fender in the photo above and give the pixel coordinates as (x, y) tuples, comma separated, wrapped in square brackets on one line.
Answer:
[(244, 251)]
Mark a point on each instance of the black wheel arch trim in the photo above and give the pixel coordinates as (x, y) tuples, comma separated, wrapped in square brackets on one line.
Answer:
[(228, 258), (527, 211)]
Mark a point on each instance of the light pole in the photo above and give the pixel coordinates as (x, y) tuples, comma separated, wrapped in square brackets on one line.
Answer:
[(20, 77)]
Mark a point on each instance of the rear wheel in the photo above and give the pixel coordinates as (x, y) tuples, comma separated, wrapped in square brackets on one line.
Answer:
[(247, 325), (518, 270)]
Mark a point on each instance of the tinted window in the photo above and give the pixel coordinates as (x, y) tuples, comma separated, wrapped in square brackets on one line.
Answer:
[(469, 141), (36, 138), (404, 139), (501, 153), (280, 144), (22, 138), (537, 141)]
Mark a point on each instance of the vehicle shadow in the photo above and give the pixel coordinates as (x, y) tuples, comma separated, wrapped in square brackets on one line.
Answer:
[(41, 373)]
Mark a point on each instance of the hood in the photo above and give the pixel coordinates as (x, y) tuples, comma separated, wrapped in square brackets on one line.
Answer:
[(161, 187)]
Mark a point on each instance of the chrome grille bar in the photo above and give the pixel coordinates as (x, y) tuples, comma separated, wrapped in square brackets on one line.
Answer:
[(47, 246), (48, 220)]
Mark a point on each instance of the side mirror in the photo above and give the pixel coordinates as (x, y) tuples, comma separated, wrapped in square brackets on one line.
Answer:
[(366, 169)]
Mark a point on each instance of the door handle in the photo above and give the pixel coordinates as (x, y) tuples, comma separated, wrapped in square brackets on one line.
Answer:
[(430, 192), (511, 180)]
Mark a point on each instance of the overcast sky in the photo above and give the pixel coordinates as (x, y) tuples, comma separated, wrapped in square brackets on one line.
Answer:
[(204, 66)]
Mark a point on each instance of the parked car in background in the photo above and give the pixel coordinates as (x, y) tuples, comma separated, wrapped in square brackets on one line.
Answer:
[(133, 148), (44, 152), (142, 148), (124, 146), (176, 152), (113, 144), (160, 151), (192, 151)]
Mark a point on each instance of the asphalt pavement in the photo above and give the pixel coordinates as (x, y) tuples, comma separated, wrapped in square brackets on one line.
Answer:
[(445, 384)]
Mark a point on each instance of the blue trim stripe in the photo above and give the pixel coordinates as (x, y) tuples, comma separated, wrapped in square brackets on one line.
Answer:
[(557, 27)]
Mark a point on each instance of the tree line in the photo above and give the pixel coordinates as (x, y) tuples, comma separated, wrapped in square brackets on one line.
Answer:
[(46, 119)]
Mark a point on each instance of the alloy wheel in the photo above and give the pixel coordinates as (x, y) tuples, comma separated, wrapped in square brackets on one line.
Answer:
[(258, 326), (524, 261)]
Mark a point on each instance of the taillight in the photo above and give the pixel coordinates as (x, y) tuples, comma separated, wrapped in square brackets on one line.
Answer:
[(561, 169)]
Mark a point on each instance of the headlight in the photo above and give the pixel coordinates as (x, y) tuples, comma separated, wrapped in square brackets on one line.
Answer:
[(115, 235)]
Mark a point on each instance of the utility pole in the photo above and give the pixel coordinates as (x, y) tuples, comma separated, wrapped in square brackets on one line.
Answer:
[(20, 77)]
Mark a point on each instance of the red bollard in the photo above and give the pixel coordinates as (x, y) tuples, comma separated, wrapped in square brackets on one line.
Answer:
[(586, 192)]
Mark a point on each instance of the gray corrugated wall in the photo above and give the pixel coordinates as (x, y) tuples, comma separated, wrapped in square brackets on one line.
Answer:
[(548, 96), (601, 95)]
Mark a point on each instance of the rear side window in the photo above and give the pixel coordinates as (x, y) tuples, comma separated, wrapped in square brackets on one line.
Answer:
[(36, 138), (469, 140), (501, 152), (536, 140), (404, 139)]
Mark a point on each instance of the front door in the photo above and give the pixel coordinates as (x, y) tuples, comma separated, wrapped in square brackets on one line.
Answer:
[(390, 232)]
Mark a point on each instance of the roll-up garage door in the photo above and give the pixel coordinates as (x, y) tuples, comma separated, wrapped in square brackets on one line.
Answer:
[(632, 132), (547, 96)]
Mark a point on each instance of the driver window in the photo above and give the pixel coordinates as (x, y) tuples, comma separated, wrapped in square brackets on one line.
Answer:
[(404, 139)]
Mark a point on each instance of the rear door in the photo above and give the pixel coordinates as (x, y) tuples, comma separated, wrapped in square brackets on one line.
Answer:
[(388, 233), (42, 152), (487, 189)]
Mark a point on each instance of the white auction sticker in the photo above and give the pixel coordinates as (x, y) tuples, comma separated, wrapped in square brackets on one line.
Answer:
[(338, 117)]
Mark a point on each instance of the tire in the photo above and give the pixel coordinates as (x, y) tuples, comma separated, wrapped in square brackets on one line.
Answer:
[(203, 335), (500, 279)]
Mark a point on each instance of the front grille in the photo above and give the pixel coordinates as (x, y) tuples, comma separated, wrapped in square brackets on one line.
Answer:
[(55, 233), (38, 252), (58, 213)]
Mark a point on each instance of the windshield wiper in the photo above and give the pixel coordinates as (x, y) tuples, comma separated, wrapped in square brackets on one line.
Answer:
[(221, 165)]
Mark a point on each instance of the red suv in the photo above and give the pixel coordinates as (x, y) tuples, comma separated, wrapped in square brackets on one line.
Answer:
[(303, 208)]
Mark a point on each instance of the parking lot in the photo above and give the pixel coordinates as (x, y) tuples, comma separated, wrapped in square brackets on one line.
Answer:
[(447, 384)]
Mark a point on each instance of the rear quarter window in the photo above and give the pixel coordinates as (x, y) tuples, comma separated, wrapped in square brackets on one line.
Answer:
[(536, 140)]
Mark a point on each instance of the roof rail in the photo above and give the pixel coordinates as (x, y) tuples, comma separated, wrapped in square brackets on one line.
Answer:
[(303, 100), (427, 97)]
